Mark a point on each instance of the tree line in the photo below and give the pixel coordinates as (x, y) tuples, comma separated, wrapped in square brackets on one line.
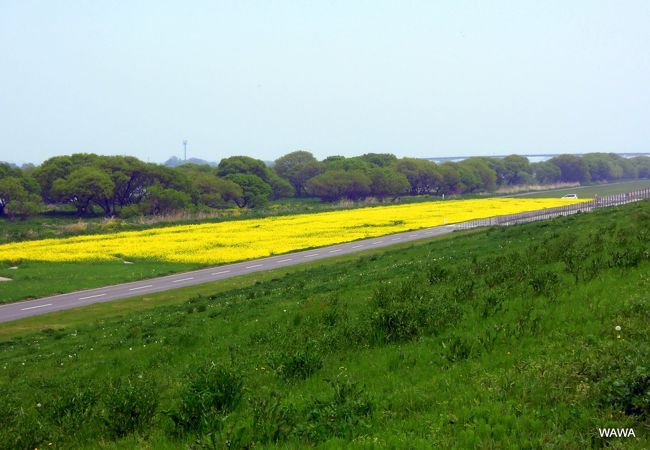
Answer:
[(123, 185)]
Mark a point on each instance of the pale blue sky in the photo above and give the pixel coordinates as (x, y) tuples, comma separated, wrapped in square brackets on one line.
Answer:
[(415, 78)]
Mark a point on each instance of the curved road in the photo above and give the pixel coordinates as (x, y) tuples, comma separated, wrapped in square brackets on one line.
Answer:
[(19, 310)]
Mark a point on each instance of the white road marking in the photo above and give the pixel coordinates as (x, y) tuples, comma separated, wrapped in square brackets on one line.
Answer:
[(183, 279), (285, 260), (219, 273), (396, 239), (357, 246), (378, 242), (334, 251), (309, 256), (253, 266), (92, 296), (34, 307), (141, 287)]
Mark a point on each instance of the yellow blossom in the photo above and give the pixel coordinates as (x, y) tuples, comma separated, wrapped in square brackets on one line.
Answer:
[(214, 243)]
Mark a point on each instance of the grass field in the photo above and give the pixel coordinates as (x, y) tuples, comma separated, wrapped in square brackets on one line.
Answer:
[(504, 338), (49, 266), (601, 190)]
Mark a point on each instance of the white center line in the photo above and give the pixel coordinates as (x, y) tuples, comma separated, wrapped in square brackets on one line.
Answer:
[(34, 307), (141, 287), (396, 239), (357, 246), (253, 266), (378, 242), (92, 296), (334, 251), (219, 273), (285, 260), (183, 279), (309, 256)]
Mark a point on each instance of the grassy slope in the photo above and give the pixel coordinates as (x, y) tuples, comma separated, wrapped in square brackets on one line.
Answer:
[(500, 339)]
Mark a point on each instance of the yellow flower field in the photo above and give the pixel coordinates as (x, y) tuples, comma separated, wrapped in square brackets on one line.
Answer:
[(213, 243)]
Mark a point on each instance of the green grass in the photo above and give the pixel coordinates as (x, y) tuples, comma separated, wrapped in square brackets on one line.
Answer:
[(591, 190), (503, 338)]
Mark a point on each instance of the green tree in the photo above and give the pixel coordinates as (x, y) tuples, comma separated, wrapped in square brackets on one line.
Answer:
[(480, 171), (59, 167), (642, 164), (379, 159), (7, 170), (337, 184), (387, 182), (256, 193), (12, 194), (546, 172), (451, 183), (82, 187), (517, 170), (423, 175), (347, 164), (161, 200), (573, 168), (244, 165), (602, 167), (285, 165), (280, 187), (298, 167), (215, 192)]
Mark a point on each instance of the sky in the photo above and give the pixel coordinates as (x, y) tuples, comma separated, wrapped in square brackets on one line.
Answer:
[(263, 78)]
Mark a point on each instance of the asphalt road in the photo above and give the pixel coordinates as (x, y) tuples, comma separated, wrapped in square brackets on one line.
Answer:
[(19, 310)]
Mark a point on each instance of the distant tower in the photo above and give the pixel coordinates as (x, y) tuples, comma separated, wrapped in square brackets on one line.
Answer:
[(185, 149)]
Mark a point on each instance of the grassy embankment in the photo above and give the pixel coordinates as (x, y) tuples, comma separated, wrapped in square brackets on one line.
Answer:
[(504, 338)]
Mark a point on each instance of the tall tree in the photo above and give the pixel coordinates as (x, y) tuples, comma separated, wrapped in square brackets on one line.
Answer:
[(337, 184), (423, 175), (517, 170), (573, 168), (546, 172), (386, 182), (255, 192), (244, 165), (298, 167), (379, 159), (83, 187)]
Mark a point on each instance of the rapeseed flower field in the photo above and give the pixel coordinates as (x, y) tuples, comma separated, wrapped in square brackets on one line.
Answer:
[(214, 243)]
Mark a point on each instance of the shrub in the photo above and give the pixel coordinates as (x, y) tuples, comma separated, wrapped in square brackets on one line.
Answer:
[(300, 364), (71, 408), (21, 427), (437, 274), (399, 313), (129, 405), (409, 309), (545, 282), (210, 391), (274, 419), (343, 413), (457, 349), (629, 392)]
